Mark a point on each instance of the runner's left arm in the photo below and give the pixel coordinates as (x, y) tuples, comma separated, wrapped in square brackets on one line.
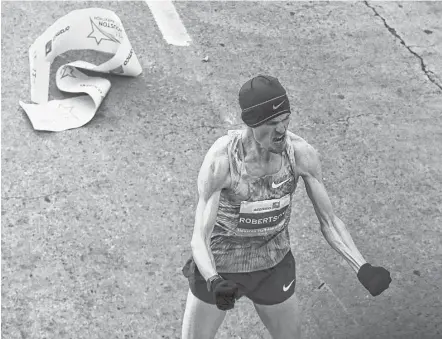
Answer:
[(333, 229)]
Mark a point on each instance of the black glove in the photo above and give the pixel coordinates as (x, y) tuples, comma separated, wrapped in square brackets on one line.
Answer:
[(226, 293), (375, 279)]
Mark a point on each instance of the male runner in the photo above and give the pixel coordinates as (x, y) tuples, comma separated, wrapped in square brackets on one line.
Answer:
[(241, 244)]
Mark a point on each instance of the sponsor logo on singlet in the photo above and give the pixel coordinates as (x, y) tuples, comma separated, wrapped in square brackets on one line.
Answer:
[(262, 216)]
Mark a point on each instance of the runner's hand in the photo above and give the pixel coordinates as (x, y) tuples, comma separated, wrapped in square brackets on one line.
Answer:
[(226, 293), (375, 279)]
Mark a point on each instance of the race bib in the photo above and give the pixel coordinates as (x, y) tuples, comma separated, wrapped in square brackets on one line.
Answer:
[(262, 216)]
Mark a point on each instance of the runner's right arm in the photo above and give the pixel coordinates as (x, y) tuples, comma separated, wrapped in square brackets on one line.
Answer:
[(214, 175)]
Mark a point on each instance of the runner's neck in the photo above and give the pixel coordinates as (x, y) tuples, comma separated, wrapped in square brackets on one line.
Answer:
[(253, 151), (258, 161)]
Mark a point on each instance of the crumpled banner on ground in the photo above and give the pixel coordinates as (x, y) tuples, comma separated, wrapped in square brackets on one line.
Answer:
[(95, 29)]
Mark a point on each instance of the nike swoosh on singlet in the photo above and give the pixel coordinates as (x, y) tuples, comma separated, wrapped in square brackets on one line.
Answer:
[(279, 184), (285, 289)]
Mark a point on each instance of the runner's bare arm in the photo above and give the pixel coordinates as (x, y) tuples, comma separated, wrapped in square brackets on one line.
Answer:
[(332, 227), (214, 175)]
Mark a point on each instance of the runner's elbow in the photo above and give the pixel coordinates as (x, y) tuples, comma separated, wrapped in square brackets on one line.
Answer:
[(327, 221)]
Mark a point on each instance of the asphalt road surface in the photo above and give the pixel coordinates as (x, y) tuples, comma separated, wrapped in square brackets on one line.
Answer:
[(96, 221)]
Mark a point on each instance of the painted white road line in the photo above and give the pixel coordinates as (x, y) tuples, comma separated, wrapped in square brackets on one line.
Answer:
[(169, 22), (174, 32)]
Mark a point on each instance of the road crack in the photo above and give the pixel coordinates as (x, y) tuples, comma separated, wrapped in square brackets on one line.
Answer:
[(429, 74)]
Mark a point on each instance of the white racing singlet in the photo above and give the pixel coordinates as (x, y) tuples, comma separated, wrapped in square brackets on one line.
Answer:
[(251, 228)]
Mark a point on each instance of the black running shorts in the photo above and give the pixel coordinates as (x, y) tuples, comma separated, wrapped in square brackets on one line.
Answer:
[(267, 287)]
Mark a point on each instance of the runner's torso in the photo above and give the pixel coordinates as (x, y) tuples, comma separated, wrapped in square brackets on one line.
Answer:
[(251, 229)]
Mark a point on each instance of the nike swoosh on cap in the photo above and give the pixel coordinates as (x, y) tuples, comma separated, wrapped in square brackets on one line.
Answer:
[(277, 106)]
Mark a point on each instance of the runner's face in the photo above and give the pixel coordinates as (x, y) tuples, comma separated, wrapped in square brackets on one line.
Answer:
[(272, 134)]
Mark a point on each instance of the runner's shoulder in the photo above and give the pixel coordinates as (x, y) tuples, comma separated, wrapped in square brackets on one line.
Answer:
[(300, 145), (305, 153), (216, 162), (218, 152)]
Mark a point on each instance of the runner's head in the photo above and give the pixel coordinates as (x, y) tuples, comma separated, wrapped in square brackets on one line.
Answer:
[(266, 110)]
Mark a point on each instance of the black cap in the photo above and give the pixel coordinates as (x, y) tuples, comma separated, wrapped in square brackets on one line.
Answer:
[(262, 98)]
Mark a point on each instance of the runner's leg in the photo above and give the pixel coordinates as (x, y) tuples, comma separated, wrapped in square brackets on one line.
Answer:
[(201, 320), (283, 320)]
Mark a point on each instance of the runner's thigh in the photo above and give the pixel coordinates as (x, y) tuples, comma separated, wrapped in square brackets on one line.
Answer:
[(201, 319)]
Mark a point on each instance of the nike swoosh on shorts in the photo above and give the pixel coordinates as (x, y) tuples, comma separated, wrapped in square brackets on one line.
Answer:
[(285, 289)]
